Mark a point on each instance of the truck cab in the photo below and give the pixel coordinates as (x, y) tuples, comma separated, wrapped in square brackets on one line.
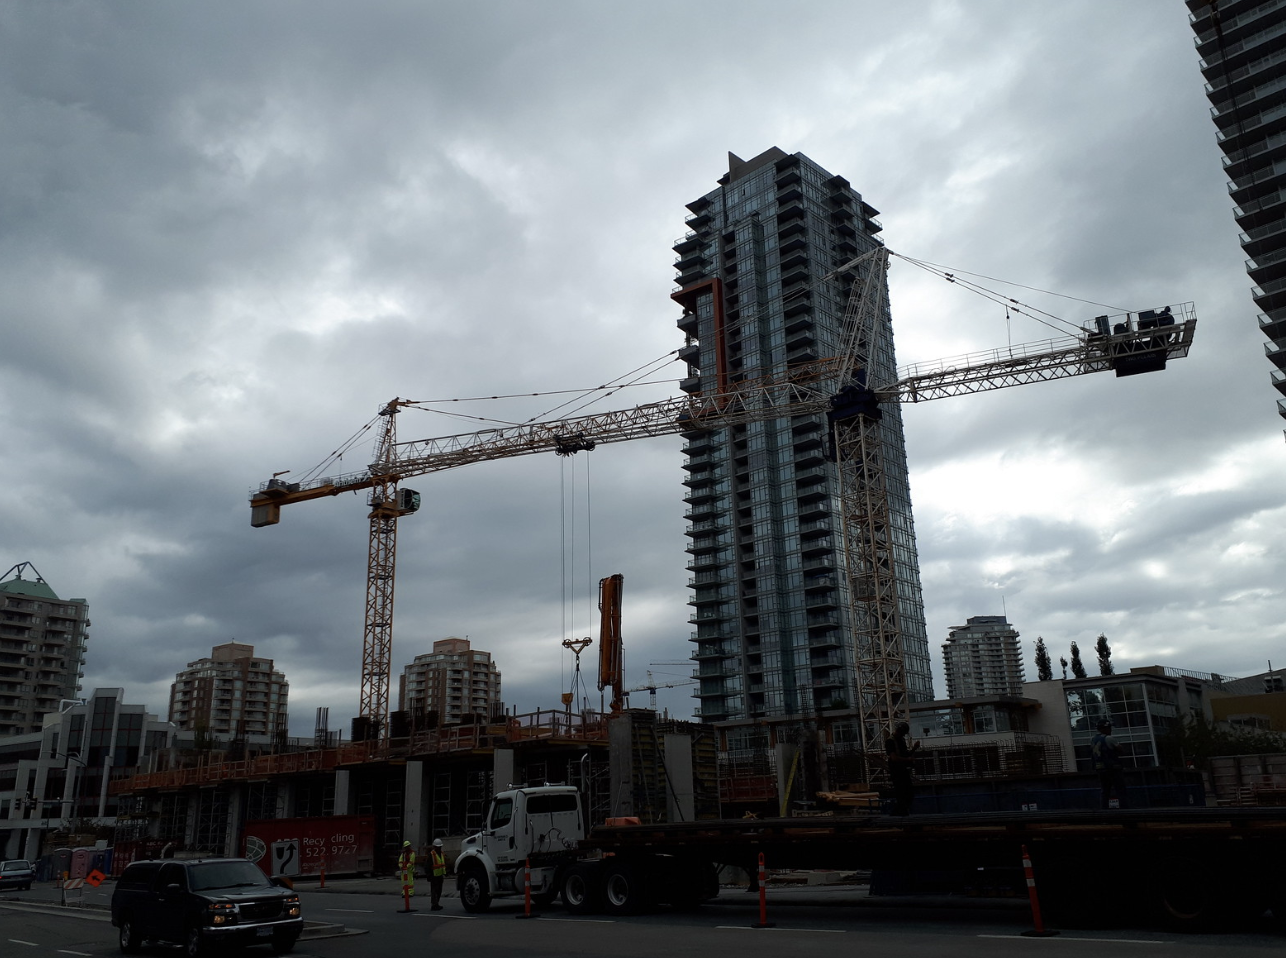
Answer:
[(541, 824)]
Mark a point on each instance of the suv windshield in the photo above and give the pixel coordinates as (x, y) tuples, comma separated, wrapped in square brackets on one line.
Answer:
[(227, 875)]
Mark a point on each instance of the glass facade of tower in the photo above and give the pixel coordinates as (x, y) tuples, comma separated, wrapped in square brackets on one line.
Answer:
[(766, 553), (1242, 44)]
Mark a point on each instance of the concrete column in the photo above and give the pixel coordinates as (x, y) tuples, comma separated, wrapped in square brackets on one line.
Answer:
[(189, 823), (232, 833), (620, 766), (285, 799), (681, 799), (785, 755), (31, 846), (414, 819), (502, 769), (343, 792)]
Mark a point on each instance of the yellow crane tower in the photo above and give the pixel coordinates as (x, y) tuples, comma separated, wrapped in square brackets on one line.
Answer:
[(837, 386)]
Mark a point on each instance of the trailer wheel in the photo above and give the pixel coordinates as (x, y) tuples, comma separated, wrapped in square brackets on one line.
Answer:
[(624, 890), (581, 892), (475, 894), (1187, 899)]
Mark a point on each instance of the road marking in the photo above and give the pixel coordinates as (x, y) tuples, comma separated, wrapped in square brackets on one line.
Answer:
[(587, 921), (420, 914), (83, 954), (820, 931), (19, 941), (1113, 941), (354, 911)]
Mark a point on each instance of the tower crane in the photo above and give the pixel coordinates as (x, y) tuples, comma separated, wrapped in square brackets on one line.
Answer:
[(837, 386), (651, 685)]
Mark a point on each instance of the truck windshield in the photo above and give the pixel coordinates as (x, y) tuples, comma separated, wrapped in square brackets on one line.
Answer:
[(227, 875), (501, 811)]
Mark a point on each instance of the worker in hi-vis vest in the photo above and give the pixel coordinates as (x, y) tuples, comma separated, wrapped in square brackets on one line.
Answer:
[(437, 873), (406, 868)]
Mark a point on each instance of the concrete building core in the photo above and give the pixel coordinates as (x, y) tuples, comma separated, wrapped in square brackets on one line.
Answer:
[(42, 650), (231, 695), (983, 657)]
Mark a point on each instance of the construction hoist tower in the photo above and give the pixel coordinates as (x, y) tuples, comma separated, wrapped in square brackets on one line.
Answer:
[(836, 386)]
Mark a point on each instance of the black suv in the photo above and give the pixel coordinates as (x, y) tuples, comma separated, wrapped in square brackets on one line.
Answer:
[(204, 903)]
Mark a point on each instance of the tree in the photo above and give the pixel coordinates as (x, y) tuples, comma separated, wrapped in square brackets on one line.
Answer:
[(1104, 655), (1044, 668), (1063, 662), (1078, 670)]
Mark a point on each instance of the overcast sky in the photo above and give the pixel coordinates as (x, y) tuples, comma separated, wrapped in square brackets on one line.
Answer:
[(230, 232)]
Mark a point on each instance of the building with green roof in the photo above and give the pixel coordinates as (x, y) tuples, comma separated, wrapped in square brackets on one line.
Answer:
[(42, 649)]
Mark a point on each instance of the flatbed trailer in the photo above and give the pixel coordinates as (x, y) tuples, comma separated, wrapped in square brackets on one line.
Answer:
[(1193, 867), (1190, 866)]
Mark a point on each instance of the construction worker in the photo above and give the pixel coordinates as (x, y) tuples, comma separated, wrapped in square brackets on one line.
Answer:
[(901, 761), (406, 868), (1106, 754), (437, 874)]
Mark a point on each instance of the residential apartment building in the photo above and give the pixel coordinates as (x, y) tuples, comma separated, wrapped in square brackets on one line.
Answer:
[(455, 683), (1242, 44), (231, 696), (773, 636), (983, 657), (42, 650)]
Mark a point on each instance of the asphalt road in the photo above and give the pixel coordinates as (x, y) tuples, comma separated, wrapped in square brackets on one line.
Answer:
[(366, 919)]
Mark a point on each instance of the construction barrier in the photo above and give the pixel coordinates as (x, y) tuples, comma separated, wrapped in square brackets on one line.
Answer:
[(763, 896), (1039, 931)]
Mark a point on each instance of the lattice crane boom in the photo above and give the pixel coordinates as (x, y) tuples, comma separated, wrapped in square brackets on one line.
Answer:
[(836, 386)]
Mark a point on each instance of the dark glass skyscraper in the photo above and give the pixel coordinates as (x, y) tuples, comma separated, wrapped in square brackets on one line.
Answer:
[(769, 588), (1242, 44)]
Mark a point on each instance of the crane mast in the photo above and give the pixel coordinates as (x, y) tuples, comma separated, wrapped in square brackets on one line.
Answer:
[(836, 386)]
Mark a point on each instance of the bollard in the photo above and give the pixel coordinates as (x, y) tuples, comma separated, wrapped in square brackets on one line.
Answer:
[(763, 897), (322, 883), (1039, 931), (526, 871)]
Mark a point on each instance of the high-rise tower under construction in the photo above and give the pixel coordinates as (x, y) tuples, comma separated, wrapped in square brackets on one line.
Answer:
[(769, 591)]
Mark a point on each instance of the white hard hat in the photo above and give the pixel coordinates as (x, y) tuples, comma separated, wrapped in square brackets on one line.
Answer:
[(437, 843)]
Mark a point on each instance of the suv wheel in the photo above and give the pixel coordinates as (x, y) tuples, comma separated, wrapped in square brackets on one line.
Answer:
[(130, 941), (193, 943)]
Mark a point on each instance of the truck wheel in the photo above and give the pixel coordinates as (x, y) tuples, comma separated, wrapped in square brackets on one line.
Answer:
[(581, 892), (1187, 900), (283, 944), (193, 943), (130, 941), (624, 890), (474, 893)]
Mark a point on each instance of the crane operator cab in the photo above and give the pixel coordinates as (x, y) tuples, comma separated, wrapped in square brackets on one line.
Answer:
[(1135, 346)]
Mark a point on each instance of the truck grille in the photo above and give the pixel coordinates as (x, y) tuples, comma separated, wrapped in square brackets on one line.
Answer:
[(260, 910)]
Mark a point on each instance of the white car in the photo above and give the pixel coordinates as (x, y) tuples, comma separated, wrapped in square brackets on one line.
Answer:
[(17, 873)]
